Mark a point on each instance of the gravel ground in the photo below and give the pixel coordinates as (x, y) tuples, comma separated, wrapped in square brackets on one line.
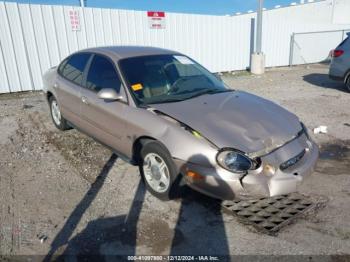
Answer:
[(63, 193)]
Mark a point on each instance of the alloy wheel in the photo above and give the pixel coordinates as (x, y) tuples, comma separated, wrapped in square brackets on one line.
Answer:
[(156, 172)]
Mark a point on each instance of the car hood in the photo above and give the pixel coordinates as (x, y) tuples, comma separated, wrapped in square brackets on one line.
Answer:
[(237, 120)]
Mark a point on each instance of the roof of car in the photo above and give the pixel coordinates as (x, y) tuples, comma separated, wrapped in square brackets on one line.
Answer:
[(120, 52)]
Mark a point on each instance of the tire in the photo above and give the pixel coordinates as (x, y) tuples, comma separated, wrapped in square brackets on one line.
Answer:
[(59, 121), (347, 84), (152, 172)]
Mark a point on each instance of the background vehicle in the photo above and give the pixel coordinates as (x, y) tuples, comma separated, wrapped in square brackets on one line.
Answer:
[(161, 110), (340, 64)]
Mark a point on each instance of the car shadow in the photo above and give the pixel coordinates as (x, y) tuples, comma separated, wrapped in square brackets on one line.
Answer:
[(73, 220), (200, 224), (323, 80), (199, 230), (120, 232)]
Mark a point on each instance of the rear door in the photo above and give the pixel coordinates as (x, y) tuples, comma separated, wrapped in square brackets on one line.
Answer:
[(69, 84), (104, 120), (340, 64)]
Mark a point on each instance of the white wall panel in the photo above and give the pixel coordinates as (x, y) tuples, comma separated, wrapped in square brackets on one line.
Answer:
[(34, 38), (4, 86), (40, 37), (115, 25), (8, 51), (18, 43), (50, 32), (31, 46), (341, 12), (106, 22), (61, 31), (89, 27), (98, 27)]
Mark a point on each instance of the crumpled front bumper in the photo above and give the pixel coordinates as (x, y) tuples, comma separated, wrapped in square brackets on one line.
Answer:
[(267, 180)]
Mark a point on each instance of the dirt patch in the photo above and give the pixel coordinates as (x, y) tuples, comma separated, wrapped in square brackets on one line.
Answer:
[(158, 232), (338, 151), (85, 155), (115, 235), (334, 158), (8, 127)]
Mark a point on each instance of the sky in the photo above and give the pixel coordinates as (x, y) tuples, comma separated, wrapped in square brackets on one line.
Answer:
[(213, 7)]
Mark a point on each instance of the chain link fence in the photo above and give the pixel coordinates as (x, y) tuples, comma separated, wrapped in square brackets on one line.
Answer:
[(314, 47)]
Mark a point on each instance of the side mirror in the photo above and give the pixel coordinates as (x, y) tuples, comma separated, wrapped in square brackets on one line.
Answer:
[(109, 94)]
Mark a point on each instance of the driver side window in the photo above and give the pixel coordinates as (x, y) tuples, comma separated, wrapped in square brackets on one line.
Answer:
[(102, 74)]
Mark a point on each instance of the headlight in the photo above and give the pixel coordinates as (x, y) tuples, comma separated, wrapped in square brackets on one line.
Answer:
[(234, 161)]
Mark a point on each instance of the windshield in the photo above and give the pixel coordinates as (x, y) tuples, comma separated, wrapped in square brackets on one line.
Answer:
[(168, 78)]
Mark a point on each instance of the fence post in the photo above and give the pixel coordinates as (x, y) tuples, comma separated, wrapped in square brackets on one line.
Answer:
[(291, 51)]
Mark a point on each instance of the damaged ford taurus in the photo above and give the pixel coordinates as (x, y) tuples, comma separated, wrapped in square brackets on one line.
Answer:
[(162, 111)]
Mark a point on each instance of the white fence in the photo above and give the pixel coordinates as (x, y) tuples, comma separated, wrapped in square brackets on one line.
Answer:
[(34, 38)]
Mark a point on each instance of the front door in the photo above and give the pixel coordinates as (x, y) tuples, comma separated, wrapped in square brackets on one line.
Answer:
[(104, 120)]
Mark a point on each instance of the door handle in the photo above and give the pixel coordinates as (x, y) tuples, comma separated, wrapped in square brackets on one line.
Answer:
[(84, 100)]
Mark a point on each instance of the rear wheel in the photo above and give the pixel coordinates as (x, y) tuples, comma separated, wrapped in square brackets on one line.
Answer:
[(56, 115), (158, 170), (347, 83)]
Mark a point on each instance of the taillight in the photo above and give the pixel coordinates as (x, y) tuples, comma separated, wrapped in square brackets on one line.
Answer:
[(337, 53)]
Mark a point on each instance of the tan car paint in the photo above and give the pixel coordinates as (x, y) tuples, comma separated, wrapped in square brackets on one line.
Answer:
[(118, 124), (69, 99)]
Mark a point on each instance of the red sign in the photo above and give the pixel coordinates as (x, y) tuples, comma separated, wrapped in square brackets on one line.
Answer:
[(155, 14), (156, 20)]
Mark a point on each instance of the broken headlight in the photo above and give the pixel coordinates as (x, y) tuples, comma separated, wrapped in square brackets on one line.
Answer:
[(234, 161), (292, 161)]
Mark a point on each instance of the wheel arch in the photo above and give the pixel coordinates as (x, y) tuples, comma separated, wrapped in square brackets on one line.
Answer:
[(137, 146), (49, 95), (139, 143)]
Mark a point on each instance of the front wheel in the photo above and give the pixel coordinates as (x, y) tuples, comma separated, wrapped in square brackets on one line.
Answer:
[(158, 170)]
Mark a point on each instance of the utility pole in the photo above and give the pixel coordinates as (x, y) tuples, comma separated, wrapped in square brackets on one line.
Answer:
[(82, 4), (258, 58), (259, 27)]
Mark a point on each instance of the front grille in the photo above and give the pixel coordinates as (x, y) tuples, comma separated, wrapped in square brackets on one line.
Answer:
[(292, 161)]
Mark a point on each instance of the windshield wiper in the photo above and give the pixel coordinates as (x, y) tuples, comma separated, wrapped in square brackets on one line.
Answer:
[(167, 101), (210, 92), (203, 92)]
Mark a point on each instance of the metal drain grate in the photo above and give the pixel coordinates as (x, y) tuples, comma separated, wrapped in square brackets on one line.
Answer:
[(269, 215)]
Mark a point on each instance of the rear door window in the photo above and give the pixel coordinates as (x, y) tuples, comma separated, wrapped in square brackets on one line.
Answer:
[(343, 42), (102, 74), (73, 68)]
